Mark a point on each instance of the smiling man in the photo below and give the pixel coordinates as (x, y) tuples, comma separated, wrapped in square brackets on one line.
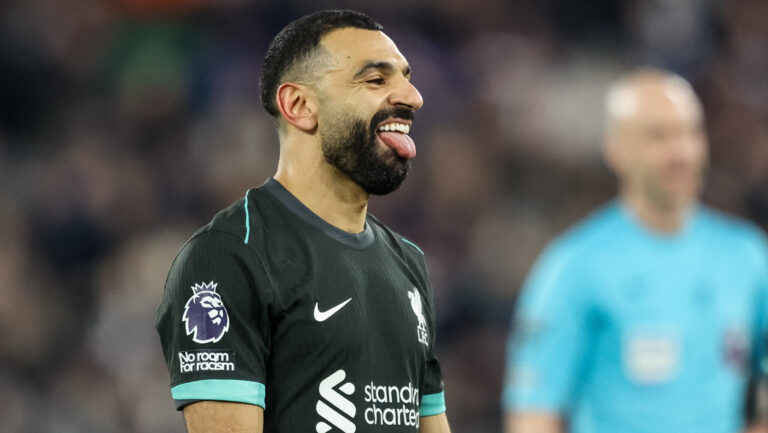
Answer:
[(294, 310)]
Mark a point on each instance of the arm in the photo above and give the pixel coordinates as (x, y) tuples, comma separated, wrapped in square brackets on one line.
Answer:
[(223, 417), (213, 273), (434, 424), (756, 410), (546, 346), (533, 422), (432, 418)]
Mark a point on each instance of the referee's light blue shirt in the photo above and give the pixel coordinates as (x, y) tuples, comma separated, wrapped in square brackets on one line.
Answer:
[(623, 330)]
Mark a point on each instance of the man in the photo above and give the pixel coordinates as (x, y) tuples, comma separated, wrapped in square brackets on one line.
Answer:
[(294, 310), (650, 315)]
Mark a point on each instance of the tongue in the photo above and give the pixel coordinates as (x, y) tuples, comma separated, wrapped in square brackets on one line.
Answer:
[(400, 143)]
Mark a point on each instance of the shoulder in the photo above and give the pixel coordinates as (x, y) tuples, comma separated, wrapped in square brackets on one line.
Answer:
[(210, 254), (407, 248), (220, 260), (563, 269), (230, 222), (219, 247), (249, 221), (727, 225), (739, 235), (585, 239)]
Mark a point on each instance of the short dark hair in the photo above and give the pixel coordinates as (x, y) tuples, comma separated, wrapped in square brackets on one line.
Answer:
[(297, 42)]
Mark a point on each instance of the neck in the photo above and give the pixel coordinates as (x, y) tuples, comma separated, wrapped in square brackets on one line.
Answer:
[(327, 192), (664, 219)]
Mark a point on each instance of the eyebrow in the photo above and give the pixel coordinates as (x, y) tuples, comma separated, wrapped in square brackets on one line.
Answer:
[(383, 66)]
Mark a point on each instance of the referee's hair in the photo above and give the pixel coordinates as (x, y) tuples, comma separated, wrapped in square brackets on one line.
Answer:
[(291, 53)]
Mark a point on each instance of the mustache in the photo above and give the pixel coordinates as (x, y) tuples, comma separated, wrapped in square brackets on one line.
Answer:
[(398, 112)]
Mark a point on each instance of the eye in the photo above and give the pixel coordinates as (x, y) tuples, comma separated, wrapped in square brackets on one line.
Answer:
[(209, 302), (375, 80)]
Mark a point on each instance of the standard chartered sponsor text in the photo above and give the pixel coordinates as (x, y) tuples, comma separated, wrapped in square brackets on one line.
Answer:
[(392, 405)]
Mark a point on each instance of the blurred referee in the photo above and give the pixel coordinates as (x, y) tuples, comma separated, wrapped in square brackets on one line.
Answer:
[(294, 310), (650, 315)]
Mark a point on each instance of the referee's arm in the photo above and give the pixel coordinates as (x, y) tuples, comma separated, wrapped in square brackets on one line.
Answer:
[(533, 422), (225, 417), (546, 345), (434, 424)]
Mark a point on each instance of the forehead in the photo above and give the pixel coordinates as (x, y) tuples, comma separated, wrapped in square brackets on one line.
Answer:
[(350, 48), (665, 102)]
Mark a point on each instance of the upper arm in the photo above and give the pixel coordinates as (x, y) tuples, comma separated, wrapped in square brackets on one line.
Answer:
[(434, 424), (546, 346), (213, 322), (431, 390), (223, 417)]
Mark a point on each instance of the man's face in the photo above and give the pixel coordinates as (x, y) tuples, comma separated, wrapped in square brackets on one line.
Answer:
[(661, 146), (366, 108)]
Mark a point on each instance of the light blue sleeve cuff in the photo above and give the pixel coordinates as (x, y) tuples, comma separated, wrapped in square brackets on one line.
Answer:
[(241, 391), (432, 404)]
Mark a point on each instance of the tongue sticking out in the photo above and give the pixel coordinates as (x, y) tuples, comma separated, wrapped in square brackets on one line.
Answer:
[(400, 143)]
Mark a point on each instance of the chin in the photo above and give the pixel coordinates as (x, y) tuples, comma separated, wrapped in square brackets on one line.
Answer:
[(683, 193), (682, 201)]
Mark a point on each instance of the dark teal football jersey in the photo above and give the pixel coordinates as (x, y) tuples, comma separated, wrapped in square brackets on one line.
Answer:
[(327, 331)]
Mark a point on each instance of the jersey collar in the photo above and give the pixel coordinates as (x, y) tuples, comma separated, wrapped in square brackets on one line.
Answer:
[(354, 240)]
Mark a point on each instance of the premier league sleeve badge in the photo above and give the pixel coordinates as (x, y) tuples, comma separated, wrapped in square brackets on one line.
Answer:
[(205, 316)]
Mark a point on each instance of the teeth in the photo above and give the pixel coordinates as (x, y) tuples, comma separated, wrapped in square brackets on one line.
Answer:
[(399, 127)]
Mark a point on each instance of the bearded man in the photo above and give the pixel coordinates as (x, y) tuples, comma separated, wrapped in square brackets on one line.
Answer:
[(294, 310)]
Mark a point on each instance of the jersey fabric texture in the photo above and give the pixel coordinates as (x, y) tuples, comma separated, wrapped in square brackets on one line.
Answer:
[(620, 329), (326, 330)]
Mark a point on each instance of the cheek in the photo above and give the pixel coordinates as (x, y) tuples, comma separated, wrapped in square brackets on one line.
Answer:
[(355, 105), (328, 120), (642, 159), (702, 154)]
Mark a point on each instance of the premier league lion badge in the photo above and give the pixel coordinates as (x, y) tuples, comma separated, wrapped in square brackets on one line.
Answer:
[(205, 317)]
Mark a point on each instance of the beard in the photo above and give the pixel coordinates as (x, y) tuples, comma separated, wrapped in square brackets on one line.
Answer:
[(352, 147)]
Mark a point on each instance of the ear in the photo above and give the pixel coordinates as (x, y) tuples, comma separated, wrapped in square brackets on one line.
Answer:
[(297, 106)]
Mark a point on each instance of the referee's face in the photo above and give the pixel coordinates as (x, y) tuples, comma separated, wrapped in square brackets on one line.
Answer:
[(663, 146), (367, 106)]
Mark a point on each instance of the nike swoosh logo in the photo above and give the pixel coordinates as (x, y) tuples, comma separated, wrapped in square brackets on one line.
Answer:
[(322, 316)]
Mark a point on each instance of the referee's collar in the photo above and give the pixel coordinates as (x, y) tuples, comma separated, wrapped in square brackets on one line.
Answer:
[(354, 240)]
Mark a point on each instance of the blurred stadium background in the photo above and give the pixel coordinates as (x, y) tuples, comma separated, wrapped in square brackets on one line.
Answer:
[(124, 125)]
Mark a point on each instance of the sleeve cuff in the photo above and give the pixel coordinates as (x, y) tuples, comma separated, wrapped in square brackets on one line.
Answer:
[(513, 400), (432, 404), (241, 391)]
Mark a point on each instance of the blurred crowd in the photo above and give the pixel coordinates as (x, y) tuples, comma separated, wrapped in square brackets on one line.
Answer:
[(126, 124)]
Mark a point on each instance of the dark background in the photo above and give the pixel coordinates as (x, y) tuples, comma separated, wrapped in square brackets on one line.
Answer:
[(125, 125)]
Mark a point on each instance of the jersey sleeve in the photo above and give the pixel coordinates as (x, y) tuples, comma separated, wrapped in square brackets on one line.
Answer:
[(214, 322), (759, 359), (433, 394), (432, 389), (546, 346)]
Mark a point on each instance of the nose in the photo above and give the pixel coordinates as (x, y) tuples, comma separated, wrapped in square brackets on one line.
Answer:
[(406, 94)]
